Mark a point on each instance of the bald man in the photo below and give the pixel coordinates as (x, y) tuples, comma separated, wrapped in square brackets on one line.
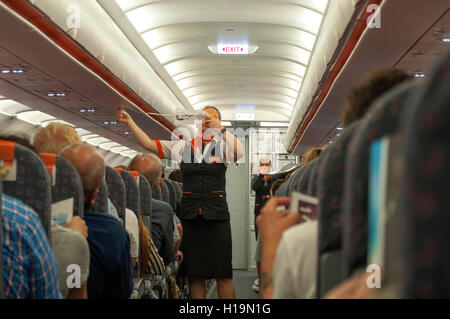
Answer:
[(110, 271), (162, 228)]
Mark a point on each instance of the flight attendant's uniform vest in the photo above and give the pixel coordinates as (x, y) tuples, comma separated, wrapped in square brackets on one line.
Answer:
[(204, 185), (263, 194)]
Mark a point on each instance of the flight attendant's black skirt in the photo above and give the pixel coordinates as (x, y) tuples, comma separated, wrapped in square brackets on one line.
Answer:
[(206, 248)]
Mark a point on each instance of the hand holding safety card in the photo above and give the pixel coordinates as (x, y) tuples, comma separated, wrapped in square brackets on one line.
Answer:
[(305, 205)]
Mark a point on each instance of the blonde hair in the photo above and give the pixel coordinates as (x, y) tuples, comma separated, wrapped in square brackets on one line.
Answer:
[(55, 137), (311, 155)]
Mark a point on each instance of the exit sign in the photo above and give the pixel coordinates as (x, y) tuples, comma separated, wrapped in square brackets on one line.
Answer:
[(232, 49)]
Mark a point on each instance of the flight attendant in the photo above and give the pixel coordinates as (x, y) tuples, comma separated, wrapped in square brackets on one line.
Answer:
[(204, 211)]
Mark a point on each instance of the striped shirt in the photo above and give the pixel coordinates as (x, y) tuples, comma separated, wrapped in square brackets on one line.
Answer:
[(29, 266)]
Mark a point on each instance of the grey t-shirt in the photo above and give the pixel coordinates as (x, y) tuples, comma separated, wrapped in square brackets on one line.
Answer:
[(69, 247)]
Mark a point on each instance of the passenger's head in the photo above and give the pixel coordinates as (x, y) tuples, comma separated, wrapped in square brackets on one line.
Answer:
[(21, 140), (361, 97), (54, 137), (148, 165), (311, 155), (91, 167), (212, 111), (176, 176)]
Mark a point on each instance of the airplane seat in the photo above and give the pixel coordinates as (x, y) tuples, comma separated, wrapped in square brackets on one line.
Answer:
[(330, 193), (172, 194), (132, 193), (316, 169), (293, 180), (101, 200), (165, 196), (282, 190), (425, 201), (67, 183), (301, 183), (156, 193), (381, 119), (116, 191), (132, 201), (145, 192), (27, 179)]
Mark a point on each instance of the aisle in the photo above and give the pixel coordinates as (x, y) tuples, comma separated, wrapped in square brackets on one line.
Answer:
[(243, 280)]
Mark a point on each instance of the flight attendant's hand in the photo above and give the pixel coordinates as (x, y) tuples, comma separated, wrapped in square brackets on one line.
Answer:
[(124, 117), (212, 122)]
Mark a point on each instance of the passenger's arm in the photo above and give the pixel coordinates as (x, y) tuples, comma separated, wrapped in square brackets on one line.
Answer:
[(141, 137), (78, 293), (271, 225)]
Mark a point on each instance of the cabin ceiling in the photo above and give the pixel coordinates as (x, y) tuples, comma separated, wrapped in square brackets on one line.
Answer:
[(266, 83)]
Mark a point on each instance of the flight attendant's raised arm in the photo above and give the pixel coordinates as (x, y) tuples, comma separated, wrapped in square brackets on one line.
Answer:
[(141, 137), (232, 141)]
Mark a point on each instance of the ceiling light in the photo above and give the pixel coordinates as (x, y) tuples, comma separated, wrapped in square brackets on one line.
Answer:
[(339, 128), (51, 94), (17, 71), (419, 75), (127, 133), (226, 123), (446, 39), (274, 124), (106, 122), (6, 71), (91, 110), (82, 110), (60, 94)]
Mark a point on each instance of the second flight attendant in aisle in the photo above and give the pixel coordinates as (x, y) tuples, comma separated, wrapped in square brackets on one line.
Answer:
[(204, 211)]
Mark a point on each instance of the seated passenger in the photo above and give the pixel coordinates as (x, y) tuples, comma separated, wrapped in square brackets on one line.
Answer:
[(295, 269), (29, 266), (162, 228), (69, 245), (110, 266), (53, 138)]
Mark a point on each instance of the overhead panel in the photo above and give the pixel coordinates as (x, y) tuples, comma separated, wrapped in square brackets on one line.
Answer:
[(230, 53)]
